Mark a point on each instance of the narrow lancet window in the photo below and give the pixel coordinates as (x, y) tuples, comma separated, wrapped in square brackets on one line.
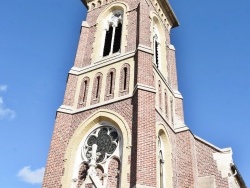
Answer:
[(156, 47), (125, 78), (117, 40), (159, 92), (84, 91), (161, 162), (96, 90), (97, 87), (83, 95), (111, 83), (172, 110), (156, 54), (108, 41), (166, 104)]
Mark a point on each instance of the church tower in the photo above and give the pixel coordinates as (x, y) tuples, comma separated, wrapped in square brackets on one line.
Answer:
[(121, 123)]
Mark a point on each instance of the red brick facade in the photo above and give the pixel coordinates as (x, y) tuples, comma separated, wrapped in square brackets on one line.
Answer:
[(141, 95)]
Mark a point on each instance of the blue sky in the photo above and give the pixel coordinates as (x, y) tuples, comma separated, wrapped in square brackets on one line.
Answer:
[(38, 41)]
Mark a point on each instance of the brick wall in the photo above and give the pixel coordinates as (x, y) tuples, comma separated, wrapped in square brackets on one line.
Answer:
[(143, 157), (113, 173), (206, 165), (184, 160)]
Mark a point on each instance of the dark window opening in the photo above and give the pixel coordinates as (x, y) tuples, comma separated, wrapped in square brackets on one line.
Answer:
[(166, 104), (172, 111), (125, 78), (156, 55), (160, 104), (97, 86), (84, 91), (117, 39), (111, 83), (161, 169), (108, 40)]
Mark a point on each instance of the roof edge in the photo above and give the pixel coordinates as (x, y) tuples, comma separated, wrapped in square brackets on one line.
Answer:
[(172, 14), (224, 150)]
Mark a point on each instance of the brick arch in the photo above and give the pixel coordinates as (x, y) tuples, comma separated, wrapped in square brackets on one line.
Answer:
[(110, 84), (114, 173), (74, 146)]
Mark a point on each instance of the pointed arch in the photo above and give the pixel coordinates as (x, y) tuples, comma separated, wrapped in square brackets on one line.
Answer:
[(158, 41), (164, 157), (82, 99), (96, 89), (110, 37), (110, 84), (73, 155), (124, 79), (159, 94)]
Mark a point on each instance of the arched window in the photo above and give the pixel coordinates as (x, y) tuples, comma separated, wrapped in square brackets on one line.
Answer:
[(159, 95), (100, 155), (172, 110), (110, 84), (96, 90), (156, 51), (113, 33), (156, 47), (166, 103), (124, 80), (164, 159), (83, 92), (161, 161)]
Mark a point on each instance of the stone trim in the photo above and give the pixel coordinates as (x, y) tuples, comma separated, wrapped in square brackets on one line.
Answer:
[(146, 49), (142, 186), (102, 63), (70, 110), (144, 87), (175, 93)]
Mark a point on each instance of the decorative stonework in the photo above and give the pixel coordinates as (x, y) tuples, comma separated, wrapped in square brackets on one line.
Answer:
[(114, 19), (106, 139)]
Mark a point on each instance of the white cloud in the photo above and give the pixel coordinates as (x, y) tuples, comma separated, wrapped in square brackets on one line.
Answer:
[(31, 176), (3, 87), (6, 112)]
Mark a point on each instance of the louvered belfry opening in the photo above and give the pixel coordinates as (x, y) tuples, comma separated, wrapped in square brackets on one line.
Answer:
[(117, 39), (108, 41), (156, 54)]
